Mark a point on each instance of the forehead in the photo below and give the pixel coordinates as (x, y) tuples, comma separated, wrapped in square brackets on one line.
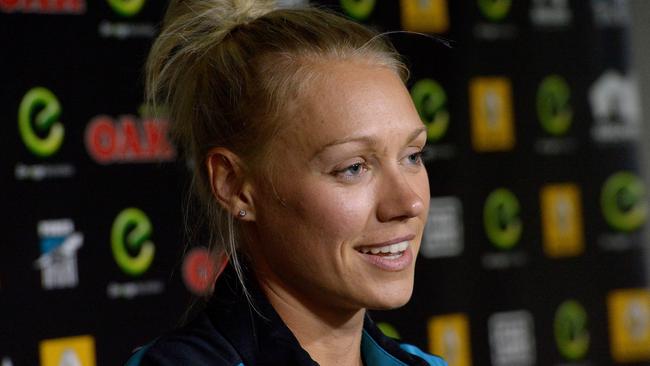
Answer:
[(348, 98)]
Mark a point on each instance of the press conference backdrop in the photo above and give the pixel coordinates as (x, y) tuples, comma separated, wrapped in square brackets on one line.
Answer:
[(533, 253)]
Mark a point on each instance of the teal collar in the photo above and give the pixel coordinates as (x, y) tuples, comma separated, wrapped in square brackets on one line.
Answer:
[(374, 354)]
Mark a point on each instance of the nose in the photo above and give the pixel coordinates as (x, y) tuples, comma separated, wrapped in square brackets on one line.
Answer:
[(398, 198)]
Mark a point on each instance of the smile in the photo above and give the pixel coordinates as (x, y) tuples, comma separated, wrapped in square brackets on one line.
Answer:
[(390, 257), (392, 251)]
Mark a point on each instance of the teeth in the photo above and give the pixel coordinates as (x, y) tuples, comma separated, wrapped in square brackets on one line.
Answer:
[(393, 248)]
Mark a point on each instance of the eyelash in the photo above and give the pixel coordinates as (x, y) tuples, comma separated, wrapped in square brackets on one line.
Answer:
[(364, 167), (418, 157), (342, 173)]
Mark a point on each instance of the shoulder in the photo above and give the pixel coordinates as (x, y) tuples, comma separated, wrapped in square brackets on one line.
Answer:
[(379, 349), (197, 344), (429, 358)]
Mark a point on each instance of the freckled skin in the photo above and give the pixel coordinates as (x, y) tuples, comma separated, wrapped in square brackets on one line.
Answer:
[(305, 234)]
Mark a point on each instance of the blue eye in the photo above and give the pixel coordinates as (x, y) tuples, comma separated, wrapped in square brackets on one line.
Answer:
[(415, 158), (353, 171)]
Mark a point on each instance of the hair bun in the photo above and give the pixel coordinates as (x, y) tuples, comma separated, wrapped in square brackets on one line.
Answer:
[(211, 19), (238, 12)]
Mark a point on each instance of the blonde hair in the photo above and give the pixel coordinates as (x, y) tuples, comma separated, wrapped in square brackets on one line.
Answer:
[(224, 71)]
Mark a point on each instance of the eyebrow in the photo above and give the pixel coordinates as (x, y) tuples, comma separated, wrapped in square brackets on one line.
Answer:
[(367, 139)]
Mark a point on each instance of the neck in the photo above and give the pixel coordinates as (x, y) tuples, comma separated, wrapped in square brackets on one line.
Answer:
[(330, 336)]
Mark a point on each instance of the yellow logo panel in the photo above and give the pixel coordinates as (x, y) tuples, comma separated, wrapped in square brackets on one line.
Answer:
[(449, 338), (491, 114), (629, 325), (562, 229), (430, 16), (71, 351)]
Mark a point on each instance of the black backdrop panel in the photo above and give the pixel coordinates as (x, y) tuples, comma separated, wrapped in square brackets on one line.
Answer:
[(533, 254)]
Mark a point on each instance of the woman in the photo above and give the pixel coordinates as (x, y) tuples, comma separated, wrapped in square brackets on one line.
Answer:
[(306, 148)]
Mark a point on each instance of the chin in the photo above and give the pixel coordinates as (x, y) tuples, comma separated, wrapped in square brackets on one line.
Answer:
[(391, 298)]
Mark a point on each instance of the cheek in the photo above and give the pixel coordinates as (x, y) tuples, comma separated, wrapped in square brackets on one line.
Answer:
[(332, 213)]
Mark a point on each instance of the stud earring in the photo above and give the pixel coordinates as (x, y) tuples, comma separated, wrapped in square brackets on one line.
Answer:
[(242, 213)]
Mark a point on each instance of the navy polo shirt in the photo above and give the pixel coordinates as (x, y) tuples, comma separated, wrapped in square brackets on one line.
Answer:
[(228, 332)]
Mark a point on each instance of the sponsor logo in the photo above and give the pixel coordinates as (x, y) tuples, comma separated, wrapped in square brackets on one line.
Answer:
[(623, 206), (42, 133), (430, 101), (126, 29), (555, 115), (38, 122), (43, 6), (127, 8), (122, 30), (495, 26), (512, 339), (553, 108), (494, 10), (449, 338), (431, 16), (503, 229), (358, 9), (562, 229), (128, 140), (501, 220), (629, 325), (491, 114), (38, 172), (623, 201), (71, 351), (610, 13), (199, 271), (388, 330), (133, 250), (570, 327), (443, 235), (550, 13), (129, 290), (615, 107), (59, 243)]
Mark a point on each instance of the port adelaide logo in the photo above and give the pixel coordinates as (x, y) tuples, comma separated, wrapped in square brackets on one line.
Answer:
[(59, 243)]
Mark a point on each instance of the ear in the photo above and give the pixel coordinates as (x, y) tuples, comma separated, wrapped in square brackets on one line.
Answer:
[(230, 184)]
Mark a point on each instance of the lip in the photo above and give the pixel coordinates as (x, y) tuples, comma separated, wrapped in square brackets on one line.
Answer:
[(400, 263), (386, 263), (389, 242)]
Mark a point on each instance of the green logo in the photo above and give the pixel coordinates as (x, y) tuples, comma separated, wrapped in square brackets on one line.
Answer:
[(430, 101), (388, 330), (132, 249), (127, 8), (622, 201), (44, 136), (501, 219), (571, 334), (553, 108), (495, 10), (358, 9)]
